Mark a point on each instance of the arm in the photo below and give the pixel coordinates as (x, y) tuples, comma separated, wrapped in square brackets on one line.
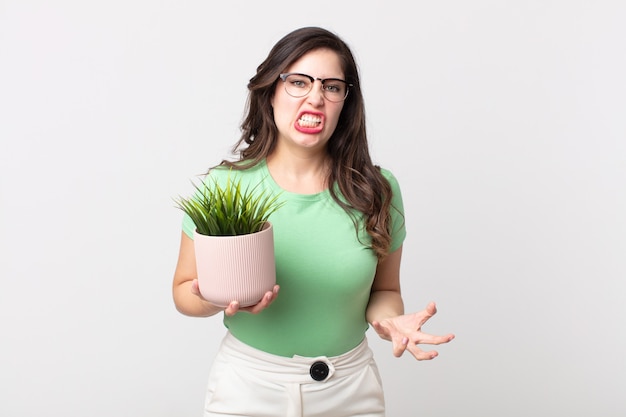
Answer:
[(385, 298), (185, 291), (187, 297), (385, 312)]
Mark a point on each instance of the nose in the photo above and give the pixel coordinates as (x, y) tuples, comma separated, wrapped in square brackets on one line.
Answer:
[(316, 95)]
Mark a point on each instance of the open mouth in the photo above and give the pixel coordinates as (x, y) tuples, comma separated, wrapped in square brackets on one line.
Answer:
[(309, 120)]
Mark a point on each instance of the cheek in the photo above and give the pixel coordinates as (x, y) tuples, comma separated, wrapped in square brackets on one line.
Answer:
[(283, 110), (281, 116), (335, 118)]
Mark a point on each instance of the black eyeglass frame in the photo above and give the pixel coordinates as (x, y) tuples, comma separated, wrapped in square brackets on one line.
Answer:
[(284, 76)]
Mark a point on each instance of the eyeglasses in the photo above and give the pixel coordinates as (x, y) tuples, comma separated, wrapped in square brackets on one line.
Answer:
[(299, 85)]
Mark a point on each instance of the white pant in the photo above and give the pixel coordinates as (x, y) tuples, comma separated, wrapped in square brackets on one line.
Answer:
[(245, 381)]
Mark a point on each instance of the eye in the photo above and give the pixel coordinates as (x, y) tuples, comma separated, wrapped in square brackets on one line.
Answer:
[(334, 86), (298, 81)]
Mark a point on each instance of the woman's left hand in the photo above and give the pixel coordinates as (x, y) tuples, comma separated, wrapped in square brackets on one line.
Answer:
[(405, 333)]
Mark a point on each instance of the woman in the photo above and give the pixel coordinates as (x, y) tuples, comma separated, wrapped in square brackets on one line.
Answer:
[(338, 243)]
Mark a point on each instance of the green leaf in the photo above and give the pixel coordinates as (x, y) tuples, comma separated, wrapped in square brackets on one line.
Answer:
[(229, 210)]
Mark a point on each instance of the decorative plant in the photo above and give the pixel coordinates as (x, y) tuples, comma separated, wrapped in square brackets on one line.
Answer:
[(228, 210)]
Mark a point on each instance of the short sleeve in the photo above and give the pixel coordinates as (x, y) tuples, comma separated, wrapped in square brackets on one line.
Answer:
[(398, 225)]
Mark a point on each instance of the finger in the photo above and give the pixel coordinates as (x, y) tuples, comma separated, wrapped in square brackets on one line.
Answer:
[(429, 339), (421, 355), (380, 330), (265, 302), (399, 346), (427, 313), (232, 308), (431, 308), (195, 288), (274, 293)]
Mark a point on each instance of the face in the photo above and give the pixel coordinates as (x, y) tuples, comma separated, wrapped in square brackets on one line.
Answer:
[(308, 122)]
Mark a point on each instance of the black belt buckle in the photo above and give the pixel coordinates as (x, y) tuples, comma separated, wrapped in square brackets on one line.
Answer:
[(319, 371)]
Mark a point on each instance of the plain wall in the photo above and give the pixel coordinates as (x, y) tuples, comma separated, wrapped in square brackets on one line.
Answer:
[(503, 120)]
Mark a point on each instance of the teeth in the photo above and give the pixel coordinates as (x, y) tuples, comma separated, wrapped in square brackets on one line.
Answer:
[(308, 120)]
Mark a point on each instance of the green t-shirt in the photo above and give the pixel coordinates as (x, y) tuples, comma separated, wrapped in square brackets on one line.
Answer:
[(325, 273)]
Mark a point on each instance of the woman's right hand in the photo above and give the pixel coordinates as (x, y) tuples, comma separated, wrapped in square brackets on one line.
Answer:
[(233, 308)]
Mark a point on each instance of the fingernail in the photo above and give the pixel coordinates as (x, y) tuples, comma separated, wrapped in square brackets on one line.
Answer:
[(405, 341)]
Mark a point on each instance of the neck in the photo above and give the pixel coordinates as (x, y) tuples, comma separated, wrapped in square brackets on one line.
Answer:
[(303, 175)]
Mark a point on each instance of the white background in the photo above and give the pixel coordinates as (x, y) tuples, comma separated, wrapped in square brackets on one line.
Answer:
[(503, 120)]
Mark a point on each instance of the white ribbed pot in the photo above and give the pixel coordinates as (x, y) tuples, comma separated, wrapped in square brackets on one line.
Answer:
[(236, 268)]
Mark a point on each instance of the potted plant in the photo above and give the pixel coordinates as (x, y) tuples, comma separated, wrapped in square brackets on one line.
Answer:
[(233, 240)]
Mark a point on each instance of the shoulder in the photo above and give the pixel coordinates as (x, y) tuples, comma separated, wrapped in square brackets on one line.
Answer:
[(248, 176), (236, 171), (390, 177)]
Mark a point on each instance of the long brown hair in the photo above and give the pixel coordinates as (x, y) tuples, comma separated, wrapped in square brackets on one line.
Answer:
[(360, 183)]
